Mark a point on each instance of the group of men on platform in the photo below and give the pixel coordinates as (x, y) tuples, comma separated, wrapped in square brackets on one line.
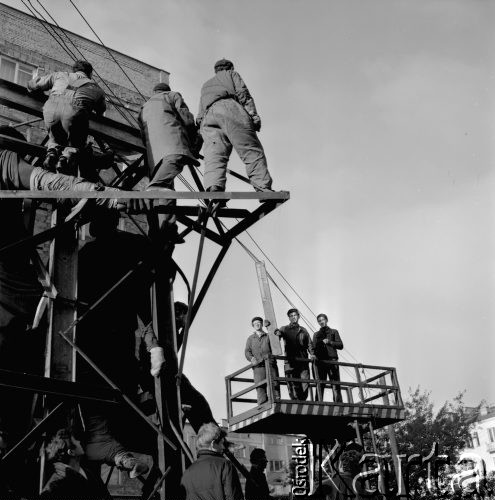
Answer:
[(300, 349), (227, 119)]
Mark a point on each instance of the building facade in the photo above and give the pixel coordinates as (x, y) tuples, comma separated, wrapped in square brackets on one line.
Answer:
[(482, 437)]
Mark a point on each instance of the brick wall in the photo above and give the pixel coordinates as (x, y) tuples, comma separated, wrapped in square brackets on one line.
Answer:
[(24, 38)]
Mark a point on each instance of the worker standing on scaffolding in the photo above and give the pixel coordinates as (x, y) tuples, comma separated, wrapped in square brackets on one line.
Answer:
[(73, 96), (257, 350), (297, 345), (228, 118), (326, 341), (171, 140)]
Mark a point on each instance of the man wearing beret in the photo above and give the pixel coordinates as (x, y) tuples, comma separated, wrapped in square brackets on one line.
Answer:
[(171, 139), (297, 345), (228, 119), (257, 350)]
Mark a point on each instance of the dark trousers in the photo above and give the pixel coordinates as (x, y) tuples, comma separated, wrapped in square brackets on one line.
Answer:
[(67, 125), (259, 373), (111, 430), (327, 371), (162, 177), (298, 390)]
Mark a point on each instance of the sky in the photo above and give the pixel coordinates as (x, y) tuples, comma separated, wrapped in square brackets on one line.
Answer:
[(378, 117)]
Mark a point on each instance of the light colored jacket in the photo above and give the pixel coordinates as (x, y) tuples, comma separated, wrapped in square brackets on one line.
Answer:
[(224, 85), (74, 85)]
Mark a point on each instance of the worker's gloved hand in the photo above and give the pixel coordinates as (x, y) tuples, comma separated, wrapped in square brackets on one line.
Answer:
[(157, 360), (112, 203), (312, 357), (266, 323), (253, 362), (257, 123), (138, 205)]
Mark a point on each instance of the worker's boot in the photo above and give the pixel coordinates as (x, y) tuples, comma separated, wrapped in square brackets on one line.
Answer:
[(136, 466), (263, 190), (217, 204), (50, 160)]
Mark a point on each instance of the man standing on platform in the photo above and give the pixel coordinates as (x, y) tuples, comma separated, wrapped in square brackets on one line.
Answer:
[(228, 118), (326, 341), (257, 350), (172, 142), (297, 345)]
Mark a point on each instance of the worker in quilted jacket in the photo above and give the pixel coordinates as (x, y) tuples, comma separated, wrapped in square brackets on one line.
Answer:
[(228, 119)]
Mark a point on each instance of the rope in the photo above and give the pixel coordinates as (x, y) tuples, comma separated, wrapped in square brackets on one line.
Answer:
[(68, 51), (109, 52)]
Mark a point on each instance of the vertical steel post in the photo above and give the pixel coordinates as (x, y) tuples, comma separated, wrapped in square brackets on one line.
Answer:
[(60, 358), (166, 394), (268, 309), (393, 443)]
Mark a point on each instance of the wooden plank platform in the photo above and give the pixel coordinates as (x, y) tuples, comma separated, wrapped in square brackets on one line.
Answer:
[(147, 195), (322, 421)]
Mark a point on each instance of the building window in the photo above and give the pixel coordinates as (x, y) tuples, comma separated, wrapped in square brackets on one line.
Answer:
[(15, 71), (476, 439), (276, 465), (491, 434)]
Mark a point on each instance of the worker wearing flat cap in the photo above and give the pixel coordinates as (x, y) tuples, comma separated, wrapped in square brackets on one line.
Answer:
[(228, 119), (257, 350), (171, 139)]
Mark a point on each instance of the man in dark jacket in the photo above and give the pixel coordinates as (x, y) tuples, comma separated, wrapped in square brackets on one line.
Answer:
[(73, 96), (297, 345), (258, 488), (211, 476), (171, 138), (228, 118), (326, 341), (257, 350), (70, 479)]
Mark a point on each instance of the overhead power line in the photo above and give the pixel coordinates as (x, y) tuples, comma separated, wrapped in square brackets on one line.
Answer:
[(108, 50)]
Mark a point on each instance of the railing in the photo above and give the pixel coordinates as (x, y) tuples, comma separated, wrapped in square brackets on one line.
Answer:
[(358, 384)]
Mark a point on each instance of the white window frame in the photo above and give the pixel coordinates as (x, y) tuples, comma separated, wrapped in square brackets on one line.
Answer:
[(17, 63)]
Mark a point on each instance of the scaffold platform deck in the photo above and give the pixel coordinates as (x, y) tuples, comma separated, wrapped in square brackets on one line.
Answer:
[(368, 393)]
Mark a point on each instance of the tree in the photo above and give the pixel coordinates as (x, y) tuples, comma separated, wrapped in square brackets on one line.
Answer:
[(421, 428)]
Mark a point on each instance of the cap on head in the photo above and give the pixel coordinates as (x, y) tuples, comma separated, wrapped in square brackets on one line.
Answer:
[(180, 308), (11, 132), (83, 66), (291, 311), (257, 318), (321, 315), (161, 87), (257, 455), (223, 65)]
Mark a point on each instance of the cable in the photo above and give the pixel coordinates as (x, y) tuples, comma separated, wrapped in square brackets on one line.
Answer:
[(109, 52), (68, 51), (279, 272)]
